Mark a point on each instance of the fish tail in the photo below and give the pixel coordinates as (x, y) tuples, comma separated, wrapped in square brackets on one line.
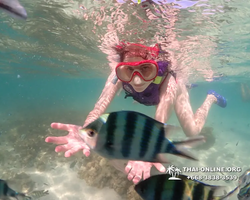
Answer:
[(181, 147), (183, 152), (190, 142)]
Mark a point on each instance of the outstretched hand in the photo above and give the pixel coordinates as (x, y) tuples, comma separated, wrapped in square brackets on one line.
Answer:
[(71, 143), (137, 170)]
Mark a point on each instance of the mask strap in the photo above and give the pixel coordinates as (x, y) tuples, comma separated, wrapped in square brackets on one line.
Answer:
[(172, 73)]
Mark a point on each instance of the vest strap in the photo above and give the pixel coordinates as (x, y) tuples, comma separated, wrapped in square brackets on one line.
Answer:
[(157, 80)]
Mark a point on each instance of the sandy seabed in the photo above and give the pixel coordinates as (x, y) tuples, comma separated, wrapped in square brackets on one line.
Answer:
[(28, 163)]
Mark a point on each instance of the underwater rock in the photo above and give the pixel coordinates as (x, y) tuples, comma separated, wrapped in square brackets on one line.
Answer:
[(23, 182), (40, 166), (27, 149), (97, 172), (2, 158), (207, 132), (132, 194)]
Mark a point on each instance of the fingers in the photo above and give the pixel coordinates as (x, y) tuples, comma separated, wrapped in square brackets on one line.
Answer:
[(86, 152), (160, 167), (135, 175), (128, 167), (69, 144), (131, 175), (137, 179), (129, 171), (70, 152), (65, 127), (56, 140), (134, 172), (146, 174), (62, 148)]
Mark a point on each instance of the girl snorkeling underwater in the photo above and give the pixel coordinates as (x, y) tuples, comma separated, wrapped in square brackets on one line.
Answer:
[(145, 74)]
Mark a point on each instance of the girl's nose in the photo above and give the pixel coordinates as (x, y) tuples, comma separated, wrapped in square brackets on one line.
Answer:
[(137, 80)]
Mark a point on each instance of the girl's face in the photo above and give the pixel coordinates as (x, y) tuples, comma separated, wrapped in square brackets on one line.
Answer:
[(137, 82)]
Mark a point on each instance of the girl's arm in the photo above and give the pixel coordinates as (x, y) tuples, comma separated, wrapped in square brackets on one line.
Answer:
[(167, 99), (105, 99)]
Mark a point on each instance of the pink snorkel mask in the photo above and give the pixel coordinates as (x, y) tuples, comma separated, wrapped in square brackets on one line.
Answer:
[(146, 69)]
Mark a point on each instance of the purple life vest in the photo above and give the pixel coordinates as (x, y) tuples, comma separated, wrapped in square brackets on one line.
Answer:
[(150, 96)]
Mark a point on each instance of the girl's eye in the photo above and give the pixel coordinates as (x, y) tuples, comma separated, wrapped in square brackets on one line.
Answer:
[(144, 67), (130, 68)]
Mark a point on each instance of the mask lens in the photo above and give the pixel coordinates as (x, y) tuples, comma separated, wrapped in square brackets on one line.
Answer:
[(125, 72), (148, 71)]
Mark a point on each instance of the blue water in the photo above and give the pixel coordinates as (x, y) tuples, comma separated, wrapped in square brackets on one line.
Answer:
[(70, 100), (20, 92)]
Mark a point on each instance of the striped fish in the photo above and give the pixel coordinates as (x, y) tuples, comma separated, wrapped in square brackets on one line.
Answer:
[(160, 188), (244, 185), (14, 8), (244, 193), (131, 135), (6, 191), (244, 179)]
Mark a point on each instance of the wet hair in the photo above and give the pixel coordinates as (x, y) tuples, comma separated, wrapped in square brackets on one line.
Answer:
[(135, 51), (138, 50)]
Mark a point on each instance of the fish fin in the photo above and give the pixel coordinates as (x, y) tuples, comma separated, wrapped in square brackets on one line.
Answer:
[(168, 158), (37, 194), (119, 164), (190, 142), (162, 158), (226, 195), (170, 129), (217, 189), (244, 178)]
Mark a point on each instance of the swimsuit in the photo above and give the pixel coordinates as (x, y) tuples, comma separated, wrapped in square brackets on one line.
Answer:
[(150, 96)]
